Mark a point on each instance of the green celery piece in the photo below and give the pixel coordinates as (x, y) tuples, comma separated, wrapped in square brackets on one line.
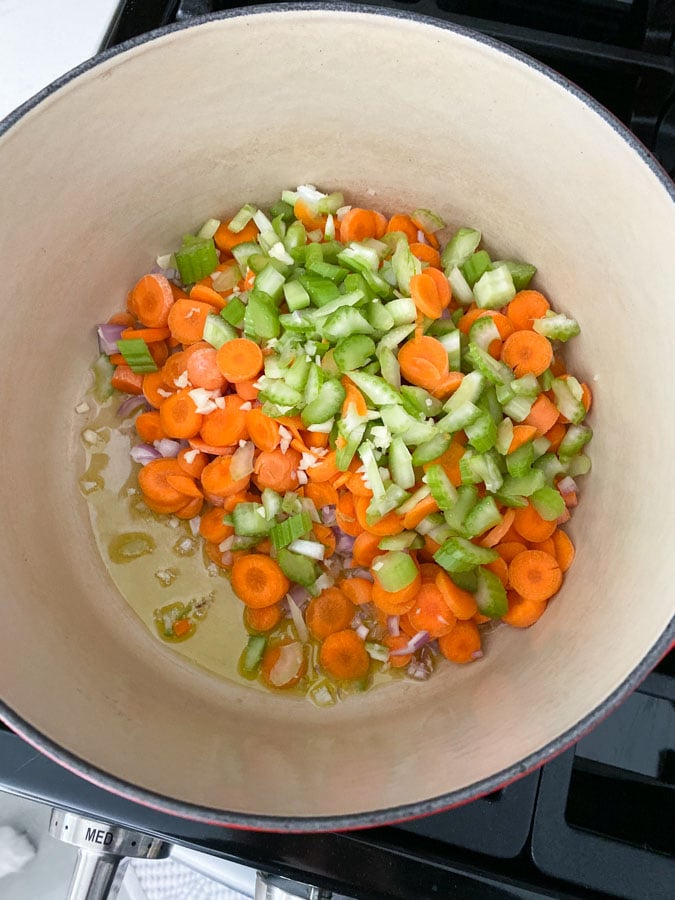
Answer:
[(459, 555), (344, 322), (261, 319), (490, 594), (504, 436), (217, 331), (345, 454), (392, 499), (442, 489), (413, 431), (523, 486), (575, 439), (405, 265), (353, 351), (570, 406), (417, 401), (549, 503), (296, 295), (376, 389), (241, 219), (296, 376), (295, 239), (556, 327), (494, 288), (285, 210), (467, 581), (520, 461), (475, 266), (253, 654), (429, 220), (284, 533), (521, 273), (406, 540), (103, 370), (234, 312), (327, 405), (467, 497), (334, 273), (321, 290), (460, 247), (578, 465), (495, 371), (250, 520), (395, 570), (196, 259), (400, 463), (136, 355), (298, 568), (272, 503), (482, 433), (483, 332), (430, 450), (278, 392), (483, 516)]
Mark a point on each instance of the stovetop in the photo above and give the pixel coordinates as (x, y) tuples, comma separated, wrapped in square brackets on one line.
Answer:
[(598, 820)]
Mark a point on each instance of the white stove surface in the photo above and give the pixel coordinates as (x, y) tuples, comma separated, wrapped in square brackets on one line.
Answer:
[(42, 39)]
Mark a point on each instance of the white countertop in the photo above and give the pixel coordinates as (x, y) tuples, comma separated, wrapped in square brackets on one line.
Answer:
[(42, 39)]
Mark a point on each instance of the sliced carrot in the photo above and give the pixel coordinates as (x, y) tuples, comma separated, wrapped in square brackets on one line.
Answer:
[(366, 548), (152, 480), (263, 430), (264, 619), (359, 590), (586, 396), (123, 318), (149, 427), (309, 217), (521, 435), (523, 612), (212, 528), (217, 481), (206, 294), (159, 351), (430, 612), (179, 417), (325, 469), (564, 549), (174, 368), (353, 397), (548, 546), (345, 515), (246, 390), (554, 436), (240, 360), (461, 603), (420, 511), (226, 426), (426, 254), (196, 443), (184, 485), (469, 317), (258, 581), (343, 656), (277, 470), (405, 225), (186, 320), (357, 485), (450, 461), (331, 611), (442, 285), (126, 381), (203, 370), (397, 642), (149, 335), (326, 536), (196, 463), (357, 225), (321, 494), (530, 525), (388, 525), (425, 295), (535, 575), (396, 602), (527, 353), (423, 361), (496, 534), (543, 415), (525, 307), (226, 239), (508, 549), (151, 300), (461, 644), (499, 568)]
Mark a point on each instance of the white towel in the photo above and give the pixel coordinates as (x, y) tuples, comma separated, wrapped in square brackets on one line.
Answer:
[(166, 879), (15, 850)]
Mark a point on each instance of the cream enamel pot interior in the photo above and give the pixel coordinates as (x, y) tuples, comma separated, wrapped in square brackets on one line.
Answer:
[(117, 161)]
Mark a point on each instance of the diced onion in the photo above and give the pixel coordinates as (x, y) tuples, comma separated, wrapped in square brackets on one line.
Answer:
[(298, 620), (287, 665), (242, 461), (168, 448), (312, 549)]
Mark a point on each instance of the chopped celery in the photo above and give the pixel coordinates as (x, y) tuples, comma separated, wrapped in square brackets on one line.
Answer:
[(196, 259), (372, 470), (277, 391), (209, 228), (295, 295), (556, 327), (459, 418), (326, 405), (313, 382), (377, 651), (250, 520), (395, 570), (334, 273), (402, 310), (577, 437), (234, 312), (359, 258), (284, 533), (461, 289), (482, 432), (378, 316), (470, 389), (330, 203), (243, 252), (483, 467), (411, 429), (490, 594), (282, 210), (483, 332), (272, 503), (570, 406), (494, 288), (389, 367), (296, 376), (417, 401), (549, 503), (550, 465), (460, 247), (429, 221), (216, 331), (431, 449), (504, 436), (521, 273), (495, 371), (295, 238), (467, 497), (103, 370), (270, 281), (406, 540), (396, 336), (298, 568), (578, 465), (253, 653), (442, 489), (241, 219), (527, 386), (405, 265), (136, 355), (392, 499), (467, 581), (483, 516), (261, 319), (520, 461), (452, 341), (400, 463), (475, 266), (459, 555), (524, 485), (321, 290), (344, 322), (376, 389), (352, 438), (353, 351)]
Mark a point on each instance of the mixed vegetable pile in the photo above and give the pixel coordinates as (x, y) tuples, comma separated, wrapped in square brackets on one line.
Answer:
[(377, 440)]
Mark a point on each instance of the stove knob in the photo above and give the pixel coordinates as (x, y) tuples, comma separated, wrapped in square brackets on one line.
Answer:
[(103, 853)]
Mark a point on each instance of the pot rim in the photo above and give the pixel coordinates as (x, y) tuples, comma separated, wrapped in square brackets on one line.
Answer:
[(406, 812)]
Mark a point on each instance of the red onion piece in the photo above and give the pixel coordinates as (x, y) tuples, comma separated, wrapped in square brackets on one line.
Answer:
[(361, 573), (144, 453), (108, 335), (214, 499), (131, 404), (416, 670), (393, 626), (328, 515), (363, 631), (344, 543), (194, 525), (168, 448), (418, 640), (299, 594), (476, 654), (567, 485), (226, 558)]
